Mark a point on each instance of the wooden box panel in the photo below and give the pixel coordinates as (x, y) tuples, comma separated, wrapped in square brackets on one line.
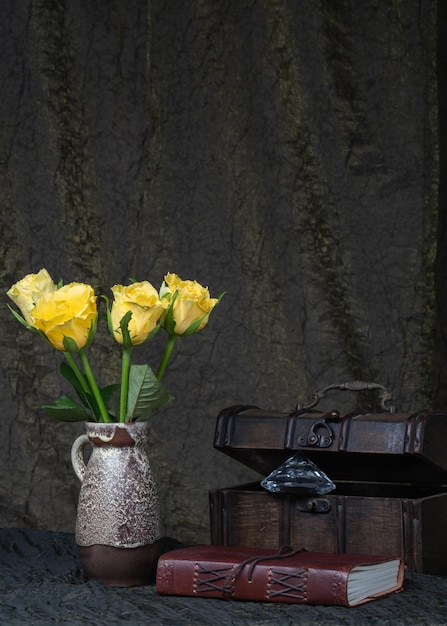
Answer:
[(254, 517), (375, 447), (382, 528), (390, 524)]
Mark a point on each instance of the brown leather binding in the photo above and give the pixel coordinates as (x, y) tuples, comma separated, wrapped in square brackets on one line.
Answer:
[(263, 575)]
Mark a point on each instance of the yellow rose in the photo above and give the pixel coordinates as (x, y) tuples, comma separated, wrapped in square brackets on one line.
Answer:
[(193, 303), (145, 305), (26, 292), (67, 312)]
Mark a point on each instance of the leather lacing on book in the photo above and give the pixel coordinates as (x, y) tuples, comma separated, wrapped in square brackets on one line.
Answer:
[(222, 579)]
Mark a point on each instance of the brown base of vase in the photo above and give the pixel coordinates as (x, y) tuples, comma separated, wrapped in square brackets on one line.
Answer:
[(121, 567)]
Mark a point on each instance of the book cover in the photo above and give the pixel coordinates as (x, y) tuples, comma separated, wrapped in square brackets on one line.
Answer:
[(293, 576)]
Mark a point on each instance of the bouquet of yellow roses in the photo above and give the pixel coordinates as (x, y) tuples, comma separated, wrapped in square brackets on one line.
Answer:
[(66, 316)]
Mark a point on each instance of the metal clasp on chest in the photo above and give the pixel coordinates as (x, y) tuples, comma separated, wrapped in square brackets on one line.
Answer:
[(320, 434), (314, 505)]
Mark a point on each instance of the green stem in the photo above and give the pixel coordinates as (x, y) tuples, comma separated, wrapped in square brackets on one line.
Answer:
[(166, 356), (125, 371), (94, 386), (77, 372)]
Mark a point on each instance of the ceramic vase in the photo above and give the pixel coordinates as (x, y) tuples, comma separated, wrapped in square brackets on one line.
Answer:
[(118, 521)]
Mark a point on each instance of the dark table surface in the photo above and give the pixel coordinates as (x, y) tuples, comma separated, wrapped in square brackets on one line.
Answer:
[(41, 582)]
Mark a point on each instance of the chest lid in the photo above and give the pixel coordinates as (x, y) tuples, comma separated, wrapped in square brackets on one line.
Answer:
[(386, 447)]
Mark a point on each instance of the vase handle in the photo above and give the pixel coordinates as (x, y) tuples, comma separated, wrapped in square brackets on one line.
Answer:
[(77, 456)]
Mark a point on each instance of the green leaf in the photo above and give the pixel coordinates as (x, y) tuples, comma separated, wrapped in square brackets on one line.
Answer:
[(70, 344), (90, 402), (67, 372), (124, 325), (145, 394), (22, 320), (87, 398), (194, 327), (67, 410), (108, 392), (109, 316), (169, 322)]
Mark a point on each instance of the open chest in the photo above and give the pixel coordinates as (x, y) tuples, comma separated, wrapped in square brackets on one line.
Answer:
[(390, 472)]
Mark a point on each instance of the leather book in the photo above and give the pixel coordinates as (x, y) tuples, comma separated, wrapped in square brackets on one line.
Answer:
[(293, 576)]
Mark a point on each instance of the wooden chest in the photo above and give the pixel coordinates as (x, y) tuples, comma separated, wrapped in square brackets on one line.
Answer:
[(390, 471)]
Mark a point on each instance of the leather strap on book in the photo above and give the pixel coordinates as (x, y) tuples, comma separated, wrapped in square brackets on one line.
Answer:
[(284, 552)]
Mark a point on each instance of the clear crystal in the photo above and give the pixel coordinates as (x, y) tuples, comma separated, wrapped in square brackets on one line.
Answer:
[(298, 473)]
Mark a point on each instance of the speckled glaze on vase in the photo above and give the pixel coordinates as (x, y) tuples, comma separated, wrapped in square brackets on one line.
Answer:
[(118, 520)]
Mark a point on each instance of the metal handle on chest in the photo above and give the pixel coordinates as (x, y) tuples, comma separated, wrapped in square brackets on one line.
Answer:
[(354, 385)]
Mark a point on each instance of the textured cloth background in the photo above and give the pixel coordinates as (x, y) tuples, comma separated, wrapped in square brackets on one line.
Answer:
[(284, 151)]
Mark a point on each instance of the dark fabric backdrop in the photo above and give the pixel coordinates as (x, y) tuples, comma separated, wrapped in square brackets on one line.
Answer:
[(285, 151)]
